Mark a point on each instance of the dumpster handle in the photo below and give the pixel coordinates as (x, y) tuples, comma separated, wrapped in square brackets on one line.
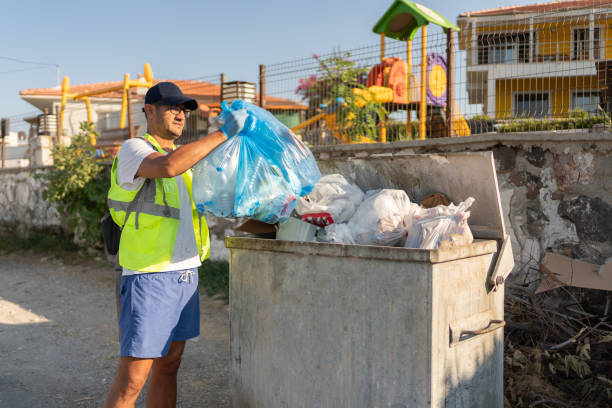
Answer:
[(493, 325)]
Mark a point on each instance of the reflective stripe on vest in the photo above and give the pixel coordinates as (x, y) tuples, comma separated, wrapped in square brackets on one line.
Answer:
[(150, 217), (147, 208)]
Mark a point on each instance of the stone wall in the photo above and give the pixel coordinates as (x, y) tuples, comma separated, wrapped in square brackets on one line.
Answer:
[(23, 209), (555, 187), (21, 201)]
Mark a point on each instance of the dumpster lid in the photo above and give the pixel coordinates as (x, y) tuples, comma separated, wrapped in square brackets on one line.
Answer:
[(457, 175)]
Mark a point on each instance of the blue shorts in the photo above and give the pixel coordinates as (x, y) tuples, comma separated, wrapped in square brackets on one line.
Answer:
[(156, 309)]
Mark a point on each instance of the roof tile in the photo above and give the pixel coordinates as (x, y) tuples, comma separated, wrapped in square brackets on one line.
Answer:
[(206, 93)]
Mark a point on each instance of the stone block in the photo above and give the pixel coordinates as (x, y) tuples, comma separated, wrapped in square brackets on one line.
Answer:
[(536, 156), (536, 220), (591, 215), (505, 158), (531, 181), (557, 230), (570, 169)]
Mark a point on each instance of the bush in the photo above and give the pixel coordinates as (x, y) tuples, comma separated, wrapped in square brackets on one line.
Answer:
[(396, 131), (214, 278), (481, 117), (46, 240), (332, 90), (576, 119), (77, 184)]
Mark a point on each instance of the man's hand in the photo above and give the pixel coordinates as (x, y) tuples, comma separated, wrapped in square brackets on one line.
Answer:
[(234, 122)]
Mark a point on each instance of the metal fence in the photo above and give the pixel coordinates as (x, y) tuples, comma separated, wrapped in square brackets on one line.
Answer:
[(510, 69), (527, 68), (196, 124)]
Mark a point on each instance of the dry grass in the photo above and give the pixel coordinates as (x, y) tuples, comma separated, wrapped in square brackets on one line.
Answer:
[(558, 348)]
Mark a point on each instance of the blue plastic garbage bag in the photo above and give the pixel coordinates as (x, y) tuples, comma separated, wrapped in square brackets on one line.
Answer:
[(259, 173)]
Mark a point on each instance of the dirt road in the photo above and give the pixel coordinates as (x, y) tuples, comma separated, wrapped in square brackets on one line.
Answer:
[(58, 337)]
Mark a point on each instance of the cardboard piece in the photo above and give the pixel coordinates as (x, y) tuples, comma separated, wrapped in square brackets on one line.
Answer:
[(434, 200), (561, 271), (257, 227)]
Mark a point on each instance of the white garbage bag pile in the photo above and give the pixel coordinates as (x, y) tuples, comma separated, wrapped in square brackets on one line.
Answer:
[(443, 226), (382, 217), (333, 200)]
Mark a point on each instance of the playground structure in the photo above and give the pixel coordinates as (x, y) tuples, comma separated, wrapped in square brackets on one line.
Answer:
[(392, 83), (145, 81)]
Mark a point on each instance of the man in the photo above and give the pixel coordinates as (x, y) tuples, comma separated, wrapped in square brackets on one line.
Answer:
[(163, 242)]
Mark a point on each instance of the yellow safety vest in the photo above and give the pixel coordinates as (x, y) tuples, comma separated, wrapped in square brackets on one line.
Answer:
[(149, 234)]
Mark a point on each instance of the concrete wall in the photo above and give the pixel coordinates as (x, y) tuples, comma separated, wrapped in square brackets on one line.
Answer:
[(555, 189)]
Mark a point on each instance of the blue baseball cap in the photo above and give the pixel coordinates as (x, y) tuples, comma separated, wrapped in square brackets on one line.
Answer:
[(169, 94)]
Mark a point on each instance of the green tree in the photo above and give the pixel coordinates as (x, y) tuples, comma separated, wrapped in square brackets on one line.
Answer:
[(77, 184), (332, 90)]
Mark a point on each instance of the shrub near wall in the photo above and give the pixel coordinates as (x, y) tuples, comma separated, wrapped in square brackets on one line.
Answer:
[(77, 185), (577, 119)]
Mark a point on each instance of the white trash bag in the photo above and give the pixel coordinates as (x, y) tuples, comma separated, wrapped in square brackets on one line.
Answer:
[(441, 227), (382, 218), (338, 234), (334, 199)]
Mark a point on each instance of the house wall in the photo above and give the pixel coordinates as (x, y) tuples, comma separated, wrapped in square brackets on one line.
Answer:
[(553, 50), (552, 38), (76, 113), (555, 190), (560, 90)]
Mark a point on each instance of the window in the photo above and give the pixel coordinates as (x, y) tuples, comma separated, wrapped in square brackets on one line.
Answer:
[(531, 104), (586, 100), (502, 53), (580, 43), (503, 48), (108, 120)]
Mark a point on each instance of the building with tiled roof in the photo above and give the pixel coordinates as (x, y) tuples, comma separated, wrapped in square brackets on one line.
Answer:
[(106, 107), (539, 60)]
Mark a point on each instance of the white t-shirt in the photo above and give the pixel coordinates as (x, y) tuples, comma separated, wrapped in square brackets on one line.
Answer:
[(129, 158)]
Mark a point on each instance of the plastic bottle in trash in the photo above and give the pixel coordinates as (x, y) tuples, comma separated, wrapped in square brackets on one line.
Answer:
[(225, 204), (224, 182), (248, 201), (203, 190)]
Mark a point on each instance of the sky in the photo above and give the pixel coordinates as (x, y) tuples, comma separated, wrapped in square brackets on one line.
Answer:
[(102, 40)]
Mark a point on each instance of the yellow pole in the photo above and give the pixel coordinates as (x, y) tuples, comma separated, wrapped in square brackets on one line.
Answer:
[(65, 88), (124, 101), (148, 74), (381, 125), (308, 122), (92, 137), (408, 89), (88, 106), (423, 111)]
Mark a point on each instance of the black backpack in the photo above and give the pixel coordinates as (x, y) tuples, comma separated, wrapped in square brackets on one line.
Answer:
[(112, 233)]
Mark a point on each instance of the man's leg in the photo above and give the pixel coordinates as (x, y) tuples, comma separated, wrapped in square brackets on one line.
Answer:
[(161, 391), (131, 377)]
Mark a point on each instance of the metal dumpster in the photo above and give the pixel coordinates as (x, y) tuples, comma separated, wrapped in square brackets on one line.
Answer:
[(329, 325)]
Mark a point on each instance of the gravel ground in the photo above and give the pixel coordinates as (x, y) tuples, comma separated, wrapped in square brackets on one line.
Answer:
[(58, 337)]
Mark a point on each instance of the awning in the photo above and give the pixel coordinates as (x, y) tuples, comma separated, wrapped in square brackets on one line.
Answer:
[(403, 19)]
